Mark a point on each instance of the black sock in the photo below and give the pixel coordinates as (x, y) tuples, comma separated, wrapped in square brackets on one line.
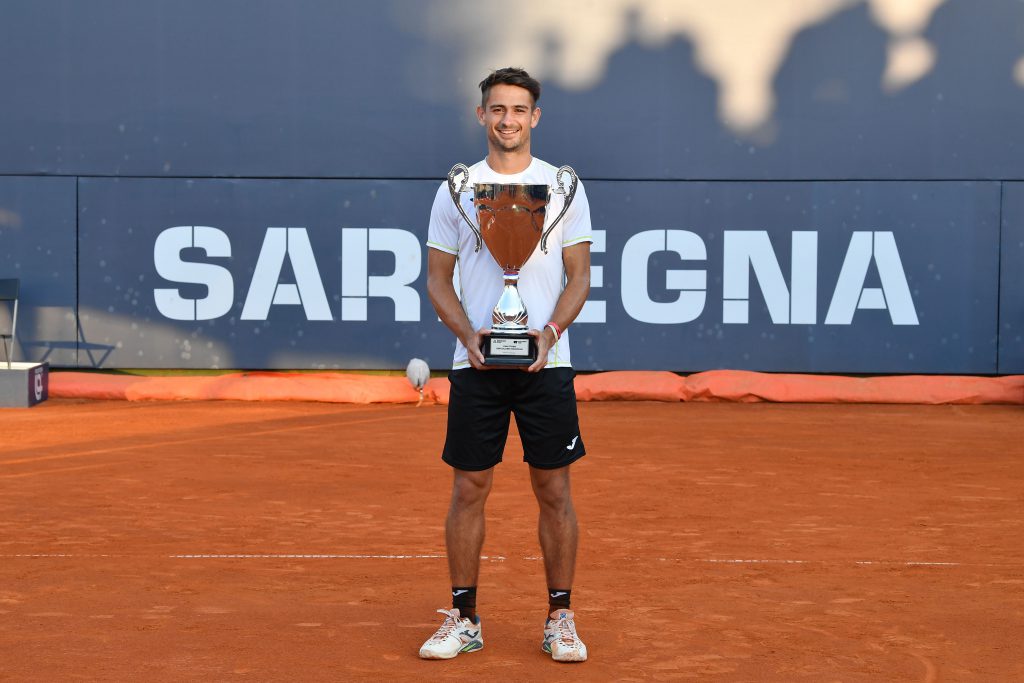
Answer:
[(464, 599), (558, 598)]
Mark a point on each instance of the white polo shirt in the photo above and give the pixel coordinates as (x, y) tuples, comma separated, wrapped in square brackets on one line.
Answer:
[(480, 279)]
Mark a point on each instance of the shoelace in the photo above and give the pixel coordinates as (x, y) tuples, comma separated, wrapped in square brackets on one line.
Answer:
[(450, 624), (566, 632)]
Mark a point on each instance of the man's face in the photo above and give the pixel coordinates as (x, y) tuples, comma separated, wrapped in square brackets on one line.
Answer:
[(508, 116)]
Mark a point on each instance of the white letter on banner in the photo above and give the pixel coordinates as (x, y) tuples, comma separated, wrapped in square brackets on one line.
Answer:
[(595, 311), (691, 284), (217, 279), (354, 252), (746, 249), (357, 285), (308, 289), (851, 294)]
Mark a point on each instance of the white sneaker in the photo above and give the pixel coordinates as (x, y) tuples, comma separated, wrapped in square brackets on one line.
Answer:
[(560, 639), (457, 634)]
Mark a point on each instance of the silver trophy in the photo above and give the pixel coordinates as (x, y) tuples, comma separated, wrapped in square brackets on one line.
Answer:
[(511, 222)]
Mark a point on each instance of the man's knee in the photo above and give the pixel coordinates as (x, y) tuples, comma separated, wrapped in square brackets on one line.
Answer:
[(470, 489), (551, 487)]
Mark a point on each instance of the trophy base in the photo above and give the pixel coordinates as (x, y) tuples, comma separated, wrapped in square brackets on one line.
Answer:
[(509, 349)]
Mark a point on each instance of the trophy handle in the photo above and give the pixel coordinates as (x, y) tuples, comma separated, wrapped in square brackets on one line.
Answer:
[(460, 169), (569, 195)]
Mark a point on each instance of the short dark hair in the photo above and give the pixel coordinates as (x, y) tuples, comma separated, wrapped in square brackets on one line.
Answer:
[(510, 75)]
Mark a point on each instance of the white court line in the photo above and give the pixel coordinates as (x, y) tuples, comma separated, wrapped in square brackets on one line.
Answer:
[(887, 563), (254, 556), (328, 556), (71, 555), (502, 558), (925, 564), (178, 442), (668, 559)]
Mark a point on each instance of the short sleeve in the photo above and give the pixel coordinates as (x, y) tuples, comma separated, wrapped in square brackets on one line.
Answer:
[(443, 231), (577, 220)]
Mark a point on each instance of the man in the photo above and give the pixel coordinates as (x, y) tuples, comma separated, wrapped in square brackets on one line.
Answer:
[(482, 398)]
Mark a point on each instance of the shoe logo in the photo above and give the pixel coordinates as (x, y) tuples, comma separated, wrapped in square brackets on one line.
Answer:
[(459, 592), (469, 635), (572, 444)]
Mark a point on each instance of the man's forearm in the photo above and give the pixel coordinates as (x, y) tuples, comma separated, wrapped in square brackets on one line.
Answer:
[(577, 286), (571, 301), (449, 308)]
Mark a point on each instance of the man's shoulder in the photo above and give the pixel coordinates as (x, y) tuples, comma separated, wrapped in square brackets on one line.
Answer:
[(550, 170), (444, 190), (543, 167), (475, 170), (479, 171), (547, 166)]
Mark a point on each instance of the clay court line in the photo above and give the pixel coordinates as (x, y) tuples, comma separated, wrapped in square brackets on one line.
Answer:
[(862, 562), (244, 556), (57, 470), (502, 558), (156, 444)]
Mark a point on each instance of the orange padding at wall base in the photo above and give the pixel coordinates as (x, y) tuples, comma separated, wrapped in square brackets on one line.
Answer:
[(749, 387), (252, 386), (716, 385)]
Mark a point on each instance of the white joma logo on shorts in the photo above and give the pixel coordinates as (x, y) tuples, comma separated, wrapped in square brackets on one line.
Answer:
[(572, 444)]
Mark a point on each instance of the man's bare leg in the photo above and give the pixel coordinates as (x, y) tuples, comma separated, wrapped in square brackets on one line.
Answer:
[(556, 525), (464, 528), (464, 537), (559, 536)]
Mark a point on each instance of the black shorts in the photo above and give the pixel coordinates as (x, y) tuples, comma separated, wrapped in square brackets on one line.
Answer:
[(544, 404)]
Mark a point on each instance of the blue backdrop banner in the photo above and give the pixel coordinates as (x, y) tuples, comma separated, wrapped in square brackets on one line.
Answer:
[(787, 276)]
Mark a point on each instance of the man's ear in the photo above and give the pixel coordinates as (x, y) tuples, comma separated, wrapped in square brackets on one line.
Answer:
[(535, 117), (480, 115)]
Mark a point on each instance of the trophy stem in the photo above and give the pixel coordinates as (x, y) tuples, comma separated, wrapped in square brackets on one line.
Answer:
[(509, 314)]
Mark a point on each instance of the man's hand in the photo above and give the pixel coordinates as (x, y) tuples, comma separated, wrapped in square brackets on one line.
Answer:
[(545, 340), (474, 349)]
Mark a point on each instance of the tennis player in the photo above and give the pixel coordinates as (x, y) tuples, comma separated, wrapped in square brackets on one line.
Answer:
[(554, 287)]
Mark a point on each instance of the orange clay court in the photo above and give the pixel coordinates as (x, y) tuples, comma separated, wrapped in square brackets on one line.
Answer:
[(301, 541)]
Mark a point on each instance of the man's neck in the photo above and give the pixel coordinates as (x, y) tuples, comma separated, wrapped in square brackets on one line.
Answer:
[(508, 163)]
